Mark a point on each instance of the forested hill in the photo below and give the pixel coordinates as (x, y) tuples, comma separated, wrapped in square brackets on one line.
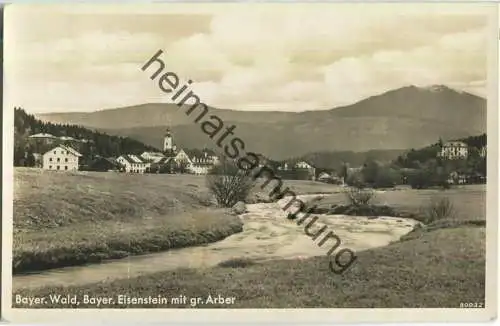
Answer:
[(416, 157), (98, 143)]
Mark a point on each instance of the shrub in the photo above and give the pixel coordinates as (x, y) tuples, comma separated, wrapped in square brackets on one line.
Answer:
[(365, 210), (370, 171), (429, 177), (236, 263), (359, 196), (439, 208), (386, 178), (228, 184), (355, 180)]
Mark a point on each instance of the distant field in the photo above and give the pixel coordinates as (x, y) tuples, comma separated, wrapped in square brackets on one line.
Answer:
[(469, 201), (65, 218)]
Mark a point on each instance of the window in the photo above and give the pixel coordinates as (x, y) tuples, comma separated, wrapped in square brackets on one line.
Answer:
[(65, 167), (66, 159), (58, 159), (58, 167), (50, 167), (50, 159), (55, 152)]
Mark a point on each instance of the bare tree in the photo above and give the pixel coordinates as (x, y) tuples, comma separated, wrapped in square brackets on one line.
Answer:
[(229, 184)]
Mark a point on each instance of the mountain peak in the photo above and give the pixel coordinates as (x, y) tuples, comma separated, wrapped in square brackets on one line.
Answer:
[(438, 88)]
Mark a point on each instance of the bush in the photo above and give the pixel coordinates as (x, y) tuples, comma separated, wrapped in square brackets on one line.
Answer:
[(365, 210), (439, 208), (228, 184), (359, 196), (386, 178), (428, 177), (236, 263), (355, 180)]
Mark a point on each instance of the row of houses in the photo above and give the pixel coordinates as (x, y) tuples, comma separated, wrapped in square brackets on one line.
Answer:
[(64, 157)]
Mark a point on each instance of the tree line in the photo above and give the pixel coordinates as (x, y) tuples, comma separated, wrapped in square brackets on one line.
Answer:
[(97, 143)]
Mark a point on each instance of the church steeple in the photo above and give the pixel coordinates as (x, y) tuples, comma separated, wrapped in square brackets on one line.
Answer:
[(168, 142)]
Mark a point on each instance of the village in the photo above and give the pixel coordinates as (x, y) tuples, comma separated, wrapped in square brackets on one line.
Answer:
[(62, 156)]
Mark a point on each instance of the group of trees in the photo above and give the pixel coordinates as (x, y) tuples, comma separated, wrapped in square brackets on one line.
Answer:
[(98, 144), (417, 159), (373, 174), (423, 168)]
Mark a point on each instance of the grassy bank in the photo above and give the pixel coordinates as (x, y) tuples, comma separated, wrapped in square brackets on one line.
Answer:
[(469, 202), (440, 268), (63, 219)]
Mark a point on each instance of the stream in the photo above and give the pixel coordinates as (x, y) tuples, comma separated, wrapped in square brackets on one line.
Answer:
[(267, 234)]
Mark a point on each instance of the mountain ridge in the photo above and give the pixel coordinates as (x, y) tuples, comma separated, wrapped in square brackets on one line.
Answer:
[(407, 117)]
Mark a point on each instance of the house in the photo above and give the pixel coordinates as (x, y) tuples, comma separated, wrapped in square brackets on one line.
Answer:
[(182, 156), (164, 165), (482, 151), (303, 165), (43, 138), (324, 177), (104, 164), (453, 150), (297, 170), (133, 163), (193, 161), (153, 157), (201, 161), (457, 178), (61, 157)]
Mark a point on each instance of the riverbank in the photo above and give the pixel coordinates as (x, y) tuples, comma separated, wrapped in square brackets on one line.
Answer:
[(267, 235), (67, 219), (426, 271)]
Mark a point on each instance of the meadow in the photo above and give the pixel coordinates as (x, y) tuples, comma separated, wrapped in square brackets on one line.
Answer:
[(76, 218), (440, 268), (469, 202), (63, 219)]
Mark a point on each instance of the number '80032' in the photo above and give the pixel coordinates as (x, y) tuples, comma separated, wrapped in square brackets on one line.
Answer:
[(471, 305)]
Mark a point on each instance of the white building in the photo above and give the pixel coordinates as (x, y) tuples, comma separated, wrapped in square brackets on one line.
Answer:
[(303, 165), (44, 137), (453, 150), (133, 163), (62, 158), (153, 157)]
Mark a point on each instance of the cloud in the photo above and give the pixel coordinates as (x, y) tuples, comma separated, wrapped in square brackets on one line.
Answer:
[(247, 57)]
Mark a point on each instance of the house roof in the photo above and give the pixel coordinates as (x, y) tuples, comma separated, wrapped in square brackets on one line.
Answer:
[(42, 135), (164, 160), (199, 153), (153, 154), (294, 162), (110, 160), (133, 159), (66, 148), (454, 144)]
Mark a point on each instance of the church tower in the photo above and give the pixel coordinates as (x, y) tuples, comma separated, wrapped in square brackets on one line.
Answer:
[(168, 142)]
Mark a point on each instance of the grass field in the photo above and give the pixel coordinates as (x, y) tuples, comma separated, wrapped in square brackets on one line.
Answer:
[(63, 219), (469, 202), (441, 268)]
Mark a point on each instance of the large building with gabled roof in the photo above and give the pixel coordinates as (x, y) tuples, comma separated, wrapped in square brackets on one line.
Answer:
[(61, 158)]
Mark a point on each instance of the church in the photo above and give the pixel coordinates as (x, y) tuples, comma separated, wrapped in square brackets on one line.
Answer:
[(191, 161)]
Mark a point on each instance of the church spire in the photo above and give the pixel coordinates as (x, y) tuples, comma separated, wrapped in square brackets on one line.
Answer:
[(168, 141)]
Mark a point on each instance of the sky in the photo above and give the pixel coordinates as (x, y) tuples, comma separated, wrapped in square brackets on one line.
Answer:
[(281, 57)]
